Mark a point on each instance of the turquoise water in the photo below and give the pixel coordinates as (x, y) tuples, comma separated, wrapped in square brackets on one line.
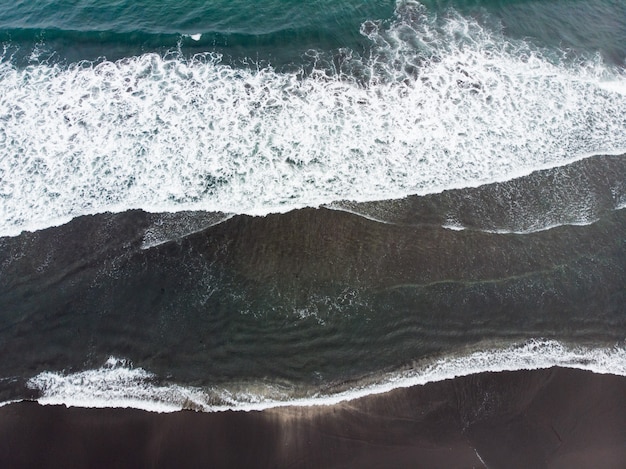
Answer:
[(272, 29), (282, 31)]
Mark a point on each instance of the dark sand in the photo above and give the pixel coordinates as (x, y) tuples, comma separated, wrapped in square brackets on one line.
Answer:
[(556, 418)]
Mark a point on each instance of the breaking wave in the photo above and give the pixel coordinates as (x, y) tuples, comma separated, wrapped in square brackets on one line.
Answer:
[(437, 103)]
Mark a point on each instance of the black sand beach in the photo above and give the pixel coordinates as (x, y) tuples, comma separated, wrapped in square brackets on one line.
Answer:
[(553, 418), (220, 220)]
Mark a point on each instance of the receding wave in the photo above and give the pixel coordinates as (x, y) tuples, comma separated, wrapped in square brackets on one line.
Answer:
[(118, 384), (580, 193), (439, 103)]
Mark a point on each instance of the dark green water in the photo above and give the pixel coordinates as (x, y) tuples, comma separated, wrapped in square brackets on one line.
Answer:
[(273, 30), (281, 31)]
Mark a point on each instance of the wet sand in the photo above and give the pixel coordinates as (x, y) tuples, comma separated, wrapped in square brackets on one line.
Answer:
[(545, 418)]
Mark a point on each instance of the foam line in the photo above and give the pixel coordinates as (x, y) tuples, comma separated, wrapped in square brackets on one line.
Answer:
[(117, 384)]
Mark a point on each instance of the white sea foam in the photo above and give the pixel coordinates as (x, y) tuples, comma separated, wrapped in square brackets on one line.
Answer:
[(116, 384), (119, 385), (544, 227), (439, 104), (614, 86), (534, 229), (166, 227), (2, 404), (516, 215), (454, 227)]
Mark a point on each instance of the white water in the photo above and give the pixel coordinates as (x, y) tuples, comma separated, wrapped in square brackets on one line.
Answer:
[(576, 219), (118, 385), (171, 134)]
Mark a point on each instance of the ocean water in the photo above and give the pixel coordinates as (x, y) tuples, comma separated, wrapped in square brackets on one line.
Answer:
[(234, 204)]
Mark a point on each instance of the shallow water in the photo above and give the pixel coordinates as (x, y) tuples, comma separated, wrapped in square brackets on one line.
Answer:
[(297, 200)]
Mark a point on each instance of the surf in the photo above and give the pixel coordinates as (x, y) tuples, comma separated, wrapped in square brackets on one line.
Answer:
[(118, 384), (437, 104)]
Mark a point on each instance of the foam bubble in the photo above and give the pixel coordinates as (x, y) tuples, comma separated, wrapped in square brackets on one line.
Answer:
[(439, 104), (117, 384)]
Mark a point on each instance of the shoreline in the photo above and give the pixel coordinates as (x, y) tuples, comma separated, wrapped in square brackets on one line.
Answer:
[(541, 418), (117, 384)]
